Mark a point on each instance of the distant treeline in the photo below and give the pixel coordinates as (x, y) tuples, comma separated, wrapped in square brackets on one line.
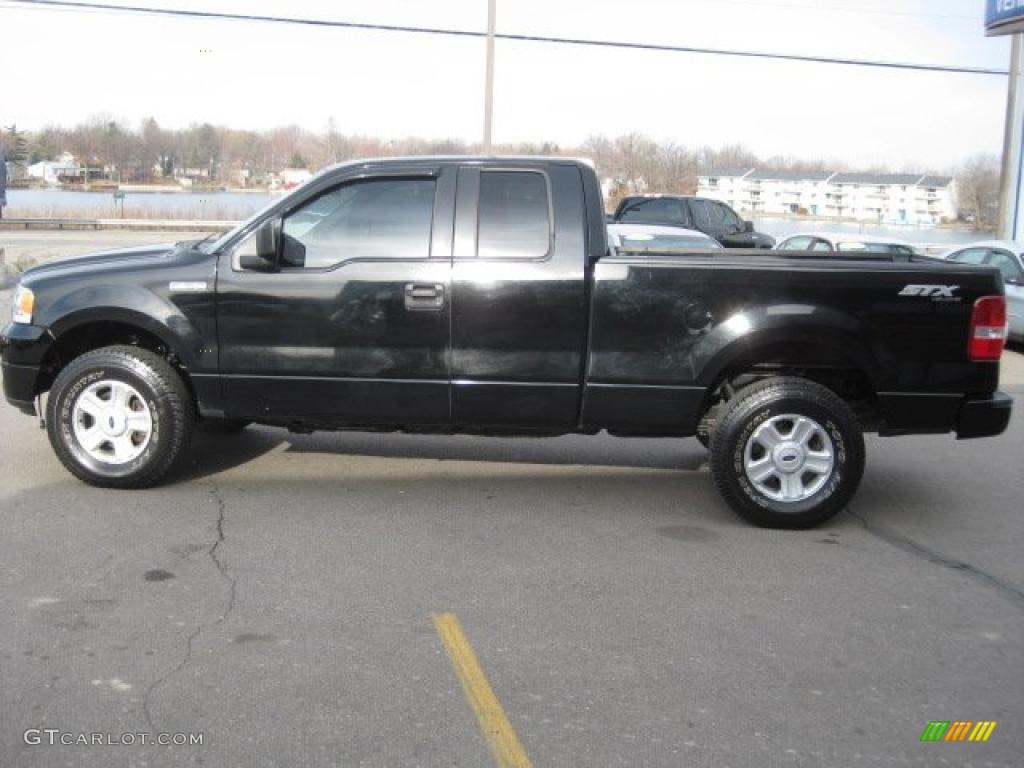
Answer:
[(221, 155)]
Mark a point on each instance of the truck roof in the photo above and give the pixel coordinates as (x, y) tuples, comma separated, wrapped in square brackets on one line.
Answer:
[(463, 159)]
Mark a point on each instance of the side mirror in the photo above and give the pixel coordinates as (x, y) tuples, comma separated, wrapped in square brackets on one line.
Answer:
[(268, 241), (748, 226)]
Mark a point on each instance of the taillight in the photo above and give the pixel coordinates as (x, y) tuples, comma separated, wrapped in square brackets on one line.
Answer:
[(988, 329)]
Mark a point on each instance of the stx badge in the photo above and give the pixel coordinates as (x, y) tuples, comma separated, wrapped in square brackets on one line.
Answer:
[(933, 291)]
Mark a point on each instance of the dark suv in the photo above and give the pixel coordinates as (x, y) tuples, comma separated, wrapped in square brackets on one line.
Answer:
[(712, 217)]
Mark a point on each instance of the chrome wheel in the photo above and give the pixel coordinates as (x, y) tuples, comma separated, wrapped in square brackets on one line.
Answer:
[(112, 422), (789, 458)]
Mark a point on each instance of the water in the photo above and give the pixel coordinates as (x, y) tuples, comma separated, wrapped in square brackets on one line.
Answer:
[(62, 203), (911, 234), (235, 206)]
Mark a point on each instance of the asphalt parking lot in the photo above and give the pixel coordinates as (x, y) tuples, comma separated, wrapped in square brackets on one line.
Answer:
[(279, 597)]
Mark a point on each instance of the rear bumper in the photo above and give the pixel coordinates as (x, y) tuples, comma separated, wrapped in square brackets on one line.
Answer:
[(984, 416)]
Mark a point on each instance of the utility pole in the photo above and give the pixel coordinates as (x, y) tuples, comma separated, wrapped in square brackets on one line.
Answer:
[(489, 85), (1011, 215)]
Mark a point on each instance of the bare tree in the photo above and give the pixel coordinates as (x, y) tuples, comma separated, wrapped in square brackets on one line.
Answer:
[(977, 183)]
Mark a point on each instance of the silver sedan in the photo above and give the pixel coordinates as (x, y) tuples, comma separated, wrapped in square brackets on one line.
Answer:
[(827, 242), (1008, 257)]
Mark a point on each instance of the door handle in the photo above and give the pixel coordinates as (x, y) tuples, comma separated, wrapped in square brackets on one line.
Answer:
[(424, 296)]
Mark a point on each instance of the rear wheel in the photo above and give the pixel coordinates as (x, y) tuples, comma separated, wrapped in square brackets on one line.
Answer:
[(787, 453), (119, 417)]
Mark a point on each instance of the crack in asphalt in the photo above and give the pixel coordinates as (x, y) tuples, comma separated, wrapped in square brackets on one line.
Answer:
[(232, 587), (908, 545)]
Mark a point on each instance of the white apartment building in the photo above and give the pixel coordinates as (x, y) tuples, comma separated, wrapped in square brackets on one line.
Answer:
[(725, 184), (787, 192), (893, 198), (888, 198)]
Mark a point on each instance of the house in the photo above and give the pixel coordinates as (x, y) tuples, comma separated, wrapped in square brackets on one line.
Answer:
[(51, 171), (290, 178)]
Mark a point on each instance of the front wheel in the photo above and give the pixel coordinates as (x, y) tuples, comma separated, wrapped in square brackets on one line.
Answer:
[(119, 417), (787, 453)]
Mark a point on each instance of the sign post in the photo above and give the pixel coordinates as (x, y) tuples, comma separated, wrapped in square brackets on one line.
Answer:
[(1006, 17), (1011, 191), (489, 75)]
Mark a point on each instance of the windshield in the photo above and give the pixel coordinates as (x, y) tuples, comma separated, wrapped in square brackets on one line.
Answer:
[(217, 244)]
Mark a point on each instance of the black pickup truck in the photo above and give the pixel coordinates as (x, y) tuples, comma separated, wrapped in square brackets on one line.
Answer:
[(479, 295)]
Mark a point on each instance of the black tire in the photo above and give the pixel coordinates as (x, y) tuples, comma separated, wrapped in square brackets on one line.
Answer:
[(774, 399), (165, 395), (223, 426)]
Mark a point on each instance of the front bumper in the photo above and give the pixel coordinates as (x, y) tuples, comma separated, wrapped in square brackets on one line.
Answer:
[(23, 347), (20, 386), (984, 416)]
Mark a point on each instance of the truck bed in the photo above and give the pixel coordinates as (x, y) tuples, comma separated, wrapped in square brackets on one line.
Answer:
[(669, 325)]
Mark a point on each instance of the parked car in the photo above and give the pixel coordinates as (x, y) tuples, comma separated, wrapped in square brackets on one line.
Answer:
[(1008, 257), (641, 237), (845, 243), (479, 295), (712, 217)]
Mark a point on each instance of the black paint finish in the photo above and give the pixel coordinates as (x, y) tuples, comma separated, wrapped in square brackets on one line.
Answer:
[(572, 340)]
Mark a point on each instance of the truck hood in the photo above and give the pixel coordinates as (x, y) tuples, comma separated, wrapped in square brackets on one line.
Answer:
[(121, 256)]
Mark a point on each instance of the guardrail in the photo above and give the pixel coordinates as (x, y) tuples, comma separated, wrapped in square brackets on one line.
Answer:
[(174, 225)]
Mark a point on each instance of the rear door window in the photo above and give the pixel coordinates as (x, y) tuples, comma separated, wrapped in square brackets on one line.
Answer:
[(515, 215)]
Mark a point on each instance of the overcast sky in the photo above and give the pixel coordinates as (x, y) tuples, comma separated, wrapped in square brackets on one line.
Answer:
[(62, 66)]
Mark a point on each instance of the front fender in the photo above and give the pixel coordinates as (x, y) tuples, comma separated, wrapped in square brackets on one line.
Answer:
[(133, 306)]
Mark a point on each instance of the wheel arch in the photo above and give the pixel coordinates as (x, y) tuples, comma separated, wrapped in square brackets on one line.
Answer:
[(98, 327), (816, 343)]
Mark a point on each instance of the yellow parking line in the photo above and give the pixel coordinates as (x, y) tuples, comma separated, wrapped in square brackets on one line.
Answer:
[(497, 730)]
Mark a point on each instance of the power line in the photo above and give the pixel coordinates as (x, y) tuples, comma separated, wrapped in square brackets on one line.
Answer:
[(857, 9), (135, 9)]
